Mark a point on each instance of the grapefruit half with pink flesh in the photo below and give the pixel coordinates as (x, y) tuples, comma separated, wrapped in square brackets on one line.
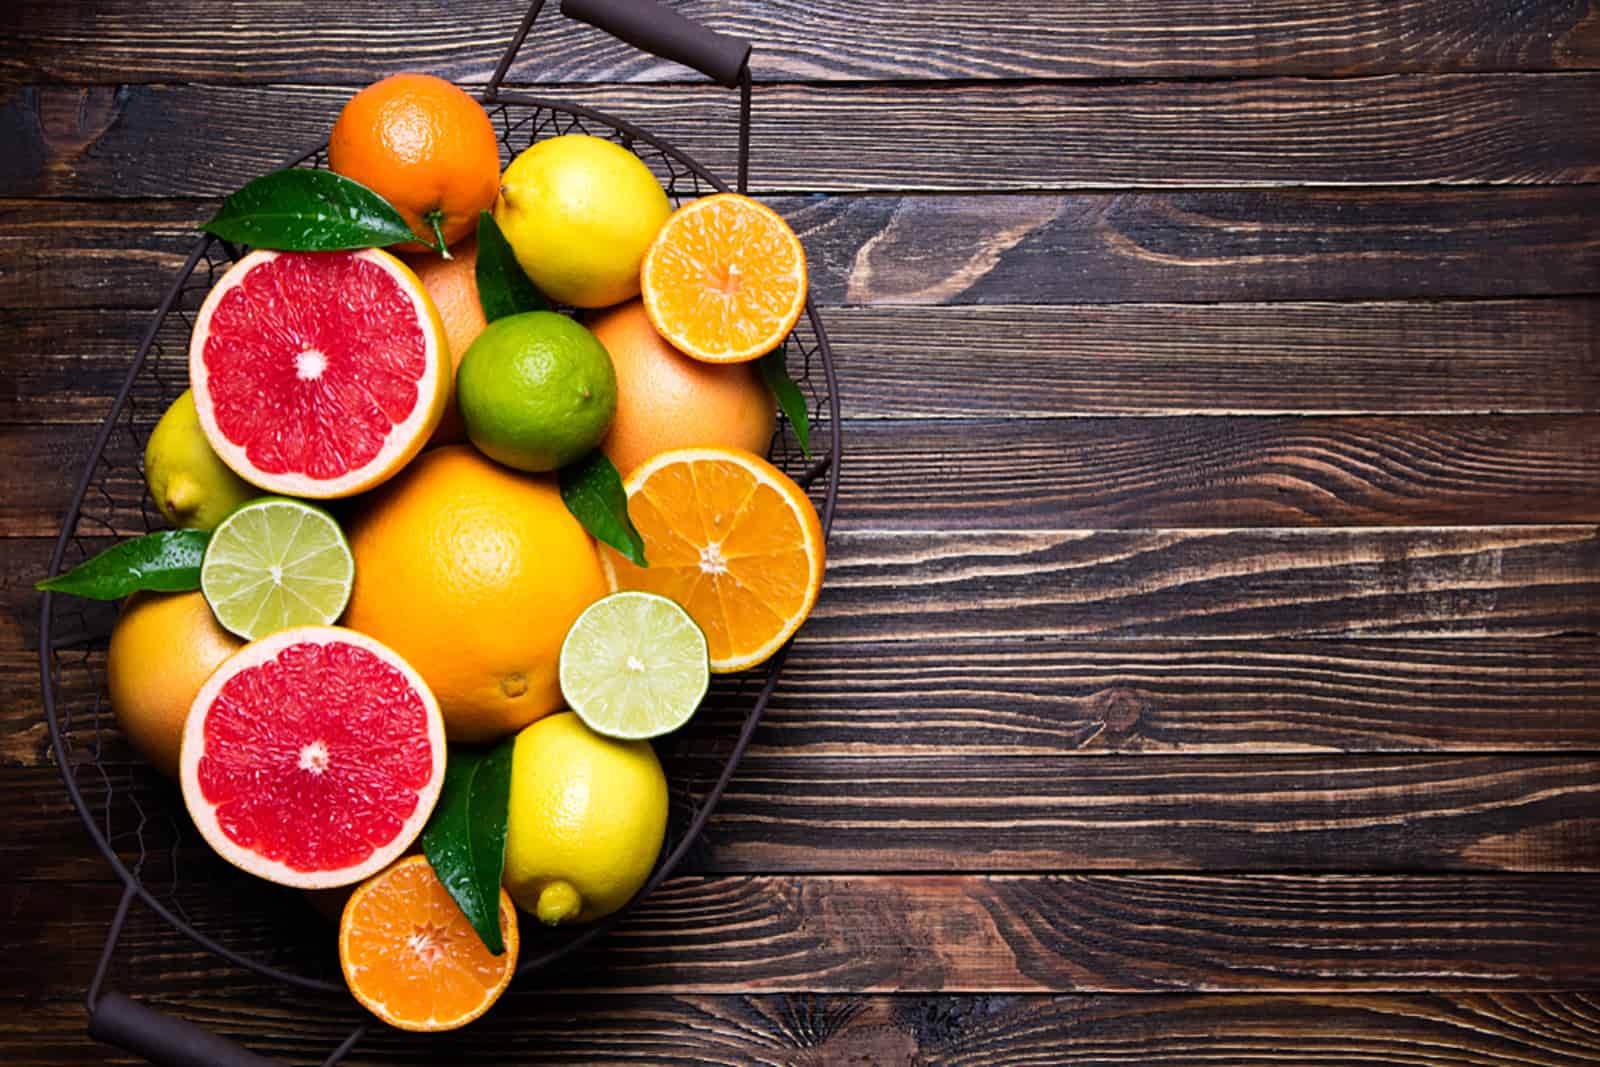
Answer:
[(312, 757), (318, 374)]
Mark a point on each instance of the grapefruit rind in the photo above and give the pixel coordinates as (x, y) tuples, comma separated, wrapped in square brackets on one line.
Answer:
[(805, 514), (193, 751), (404, 440)]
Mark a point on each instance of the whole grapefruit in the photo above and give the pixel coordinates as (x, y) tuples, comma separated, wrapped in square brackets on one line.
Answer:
[(163, 648), (667, 400), (473, 573)]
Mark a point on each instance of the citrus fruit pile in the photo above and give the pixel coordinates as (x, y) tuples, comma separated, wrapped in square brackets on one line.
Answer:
[(449, 556)]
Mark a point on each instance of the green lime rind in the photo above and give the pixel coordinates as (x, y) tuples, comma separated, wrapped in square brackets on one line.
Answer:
[(275, 563), (634, 666), (536, 390)]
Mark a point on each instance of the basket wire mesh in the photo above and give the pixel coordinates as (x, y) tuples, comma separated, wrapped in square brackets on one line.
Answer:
[(137, 816)]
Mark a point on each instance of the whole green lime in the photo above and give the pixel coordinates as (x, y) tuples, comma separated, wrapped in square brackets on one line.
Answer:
[(191, 486), (537, 391)]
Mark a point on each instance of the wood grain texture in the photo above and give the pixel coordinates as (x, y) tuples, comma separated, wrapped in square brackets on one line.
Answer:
[(886, 809), (918, 362), (982, 934), (1244, 583), (1091, 248), (1063, 697), (362, 40), (1452, 357), (1518, 128), (1215, 245), (1098, 474), (906, 1030), (909, 1030)]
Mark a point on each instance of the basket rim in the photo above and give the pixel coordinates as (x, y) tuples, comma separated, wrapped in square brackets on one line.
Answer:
[(667, 864)]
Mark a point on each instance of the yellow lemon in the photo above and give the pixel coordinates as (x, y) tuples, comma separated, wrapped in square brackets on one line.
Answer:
[(579, 212), (587, 818), (191, 486)]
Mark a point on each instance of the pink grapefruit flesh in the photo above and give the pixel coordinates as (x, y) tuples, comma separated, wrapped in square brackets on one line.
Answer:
[(313, 757), (318, 374)]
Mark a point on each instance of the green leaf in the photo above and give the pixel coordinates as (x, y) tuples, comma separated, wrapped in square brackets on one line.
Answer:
[(503, 287), (465, 839), (167, 561), (791, 401), (593, 492), (300, 210)]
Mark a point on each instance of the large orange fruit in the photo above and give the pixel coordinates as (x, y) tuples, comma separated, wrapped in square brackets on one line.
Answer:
[(474, 572), (412, 959), (163, 648), (732, 539), (725, 279), (453, 285), (666, 400), (426, 147)]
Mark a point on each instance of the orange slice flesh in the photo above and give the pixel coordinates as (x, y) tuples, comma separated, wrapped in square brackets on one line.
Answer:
[(410, 956), (725, 279), (732, 539)]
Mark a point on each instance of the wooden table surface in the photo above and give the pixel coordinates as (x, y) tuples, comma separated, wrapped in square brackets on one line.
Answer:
[(1207, 669)]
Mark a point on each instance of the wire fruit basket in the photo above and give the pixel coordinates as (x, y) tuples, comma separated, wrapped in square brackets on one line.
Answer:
[(137, 819)]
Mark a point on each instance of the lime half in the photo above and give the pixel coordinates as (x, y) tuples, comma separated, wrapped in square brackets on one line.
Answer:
[(634, 665), (275, 563)]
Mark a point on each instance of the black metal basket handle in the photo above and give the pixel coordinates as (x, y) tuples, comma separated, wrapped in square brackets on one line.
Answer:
[(655, 28), (167, 1040)]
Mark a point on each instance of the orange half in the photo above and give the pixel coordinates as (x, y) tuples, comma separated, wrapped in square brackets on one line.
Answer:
[(410, 956), (725, 279), (732, 539)]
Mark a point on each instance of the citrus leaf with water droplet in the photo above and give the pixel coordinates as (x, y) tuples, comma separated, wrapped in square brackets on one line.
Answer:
[(301, 210), (465, 839), (167, 561), (592, 490)]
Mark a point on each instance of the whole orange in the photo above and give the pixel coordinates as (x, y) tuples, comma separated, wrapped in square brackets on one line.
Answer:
[(453, 285), (426, 147), (163, 648), (666, 400), (474, 572)]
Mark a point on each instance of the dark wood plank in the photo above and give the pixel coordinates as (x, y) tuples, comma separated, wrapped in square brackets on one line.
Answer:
[(1508, 356), (1403, 129), (907, 587), (994, 697), (1169, 359), (937, 1030), (836, 40), (1092, 248), (1222, 245), (1230, 472), (1100, 474), (968, 933), (94, 254), (887, 809)]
